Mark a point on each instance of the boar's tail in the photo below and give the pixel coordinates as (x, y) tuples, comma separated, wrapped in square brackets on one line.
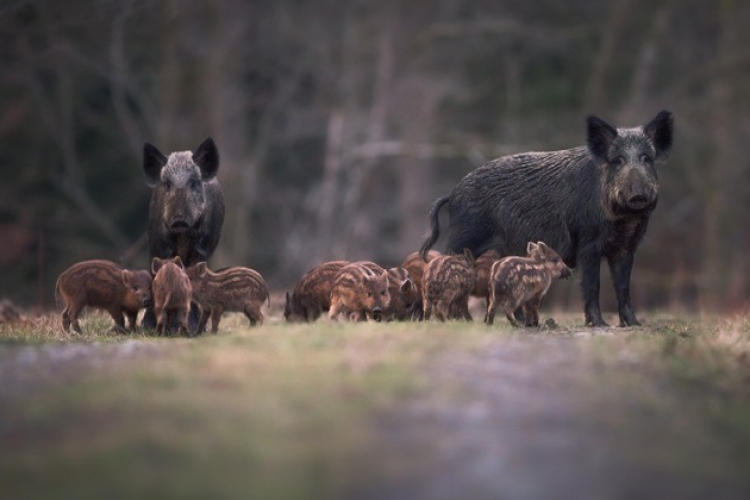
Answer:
[(57, 293), (434, 227)]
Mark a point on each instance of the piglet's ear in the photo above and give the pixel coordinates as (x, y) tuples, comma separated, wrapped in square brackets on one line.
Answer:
[(207, 159), (405, 285), (126, 277), (660, 131), (531, 247), (153, 162), (600, 135), (178, 261), (200, 267), (469, 257)]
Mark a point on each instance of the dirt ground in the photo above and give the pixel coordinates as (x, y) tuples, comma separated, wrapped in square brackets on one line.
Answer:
[(573, 413), (542, 418)]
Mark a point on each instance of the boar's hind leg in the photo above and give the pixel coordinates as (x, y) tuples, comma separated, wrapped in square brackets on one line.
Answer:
[(205, 314), (66, 319), (73, 313), (253, 314), (620, 265)]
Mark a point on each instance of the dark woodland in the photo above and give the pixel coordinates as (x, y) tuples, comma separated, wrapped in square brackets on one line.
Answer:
[(338, 123)]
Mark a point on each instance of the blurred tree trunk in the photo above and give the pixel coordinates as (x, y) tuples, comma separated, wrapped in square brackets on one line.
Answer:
[(717, 247)]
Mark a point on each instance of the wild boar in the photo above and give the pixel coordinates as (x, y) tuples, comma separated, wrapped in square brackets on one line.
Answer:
[(589, 203), (523, 282), (172, 292), (415, 264), (104, 285), (360, 291), (446, 285), (186, 211), (312, 295), (238, 289)]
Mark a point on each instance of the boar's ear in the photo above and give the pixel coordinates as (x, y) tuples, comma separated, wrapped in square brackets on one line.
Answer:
[(599, 137), (177, 260), (531, 247), (155, 265), (153, 161), (207, 159), (405, 285), (659, 130)]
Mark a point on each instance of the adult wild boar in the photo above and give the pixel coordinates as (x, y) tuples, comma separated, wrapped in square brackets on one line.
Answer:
[(187, 207), (587, 203)]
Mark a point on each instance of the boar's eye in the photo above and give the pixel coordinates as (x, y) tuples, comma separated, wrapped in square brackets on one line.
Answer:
[(369, 294), (647, 159), (619, 161), (193, 185), (167, 185), (382, 293)]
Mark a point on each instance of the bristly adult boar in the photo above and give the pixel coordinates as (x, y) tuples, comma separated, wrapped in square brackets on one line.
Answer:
[(187, 206), (588, 203)]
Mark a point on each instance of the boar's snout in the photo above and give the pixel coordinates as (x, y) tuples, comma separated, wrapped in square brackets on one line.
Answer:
[(377, 313), (640, 201), (566, 273), (179, 225)]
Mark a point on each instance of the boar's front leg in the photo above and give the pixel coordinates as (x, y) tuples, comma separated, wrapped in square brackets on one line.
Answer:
[(590, 263), (620, 266)]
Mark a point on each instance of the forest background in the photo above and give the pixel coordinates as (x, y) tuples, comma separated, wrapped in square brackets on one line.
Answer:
[(340, 122)]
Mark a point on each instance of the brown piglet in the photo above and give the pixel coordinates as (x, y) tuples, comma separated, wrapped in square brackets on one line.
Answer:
[(104, 285), (360, 291), (172, 291), (447, 283), (312, 295), (523, 281), (237, 289)]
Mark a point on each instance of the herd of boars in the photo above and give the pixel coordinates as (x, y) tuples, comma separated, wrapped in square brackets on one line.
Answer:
[(515, 224)]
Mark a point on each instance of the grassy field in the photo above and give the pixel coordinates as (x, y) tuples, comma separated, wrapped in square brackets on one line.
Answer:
[(334, 410)]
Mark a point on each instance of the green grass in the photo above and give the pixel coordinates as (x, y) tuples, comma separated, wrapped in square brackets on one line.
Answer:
[(286, 411)]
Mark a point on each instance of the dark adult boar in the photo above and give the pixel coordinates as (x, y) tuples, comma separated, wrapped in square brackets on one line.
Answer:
[(104, 285), (588, 203), (238, 289), (187, 206), (312, 295)]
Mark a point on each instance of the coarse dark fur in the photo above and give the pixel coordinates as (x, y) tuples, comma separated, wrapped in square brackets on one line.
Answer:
[(172, 293), (311, 297), (415, 264), (237, 289), (446, 285), (589, 203), (522, 282), (104, 285), (360, 291), (186, 211)]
